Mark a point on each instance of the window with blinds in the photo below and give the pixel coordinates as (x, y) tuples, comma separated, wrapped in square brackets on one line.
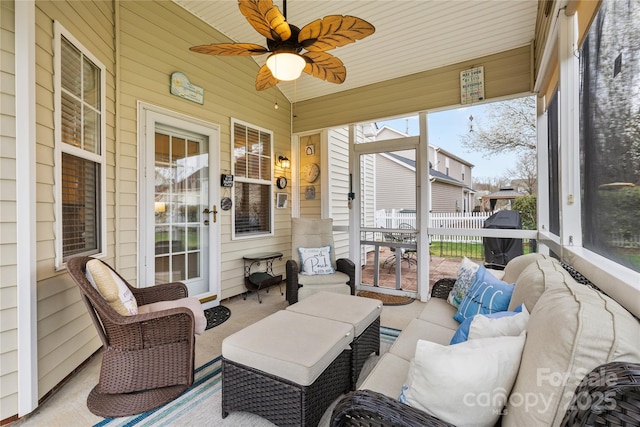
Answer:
[(79, 149), (252, 160)]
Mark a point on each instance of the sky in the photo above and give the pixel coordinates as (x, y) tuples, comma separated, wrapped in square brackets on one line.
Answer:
[(445, 131)]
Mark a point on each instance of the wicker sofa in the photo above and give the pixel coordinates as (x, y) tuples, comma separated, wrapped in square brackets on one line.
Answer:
[(573, 329)]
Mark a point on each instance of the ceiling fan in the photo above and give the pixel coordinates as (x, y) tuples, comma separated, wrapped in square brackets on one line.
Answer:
[(285, 42)]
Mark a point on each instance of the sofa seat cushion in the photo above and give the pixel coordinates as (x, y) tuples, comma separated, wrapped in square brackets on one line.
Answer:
[(387, 376), (572, 329), (192, 303), (417, 329), (357, 311), (439, 312), (289, 345)]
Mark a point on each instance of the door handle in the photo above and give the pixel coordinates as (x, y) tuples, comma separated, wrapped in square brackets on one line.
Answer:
[(214, 211)]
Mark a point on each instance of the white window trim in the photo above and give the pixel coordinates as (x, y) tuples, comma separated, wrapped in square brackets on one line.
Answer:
[(271, 232), (61, 147)]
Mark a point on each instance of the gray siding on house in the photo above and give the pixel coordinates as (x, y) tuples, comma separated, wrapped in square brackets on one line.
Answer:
[(8, 234), (444, 197), (396, 185)]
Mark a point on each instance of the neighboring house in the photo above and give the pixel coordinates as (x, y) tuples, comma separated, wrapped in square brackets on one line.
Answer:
[(395, 178)]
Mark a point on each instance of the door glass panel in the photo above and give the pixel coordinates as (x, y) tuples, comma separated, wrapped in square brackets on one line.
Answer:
[(388, 219), (181, 196)]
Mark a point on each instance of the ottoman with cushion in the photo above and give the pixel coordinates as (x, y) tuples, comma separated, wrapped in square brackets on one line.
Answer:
[(362, 313), (287, 368)]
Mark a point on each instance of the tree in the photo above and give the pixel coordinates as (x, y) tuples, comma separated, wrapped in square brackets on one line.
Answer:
[(525, 174), (511, 127), (526, 205)]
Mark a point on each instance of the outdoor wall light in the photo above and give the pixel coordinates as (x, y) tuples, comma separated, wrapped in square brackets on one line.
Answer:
[(283, 162)]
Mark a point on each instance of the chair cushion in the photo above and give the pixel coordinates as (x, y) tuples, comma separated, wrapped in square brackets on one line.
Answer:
[(315, 261), (486, 295), (308, 290), (571, 330), (111, 287), (289, 345), (465, 384), (191, 303), (337, 278)]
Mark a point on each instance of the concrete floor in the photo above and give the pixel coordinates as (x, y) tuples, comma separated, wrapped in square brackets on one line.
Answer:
[(67, 406)]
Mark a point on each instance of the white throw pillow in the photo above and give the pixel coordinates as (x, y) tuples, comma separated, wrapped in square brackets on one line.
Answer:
[(488, 327), (315, 261), (466, 384)]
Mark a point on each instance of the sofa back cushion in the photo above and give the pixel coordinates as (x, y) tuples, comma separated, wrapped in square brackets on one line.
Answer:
[(530, 283), (514, 267), (571, 330)]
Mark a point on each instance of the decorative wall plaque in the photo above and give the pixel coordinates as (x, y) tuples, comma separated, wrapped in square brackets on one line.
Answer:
[(472, 85), (182, 87)]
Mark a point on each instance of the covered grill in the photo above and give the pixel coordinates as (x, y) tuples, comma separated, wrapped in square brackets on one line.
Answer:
[(499, 251)]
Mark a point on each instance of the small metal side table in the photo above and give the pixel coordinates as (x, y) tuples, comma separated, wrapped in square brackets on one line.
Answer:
[(261, 279)]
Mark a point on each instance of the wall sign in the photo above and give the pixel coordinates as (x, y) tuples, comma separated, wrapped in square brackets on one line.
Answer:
[(472, 85), (182, 87), (226, 180)]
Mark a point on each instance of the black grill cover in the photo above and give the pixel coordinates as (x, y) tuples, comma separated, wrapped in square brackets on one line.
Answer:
[(498, 252)]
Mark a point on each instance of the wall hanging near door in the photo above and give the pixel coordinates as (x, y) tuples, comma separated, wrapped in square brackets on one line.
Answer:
[(310, 192)]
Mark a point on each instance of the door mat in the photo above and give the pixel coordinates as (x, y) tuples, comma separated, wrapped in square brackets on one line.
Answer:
[(387, 299), (216, 316)]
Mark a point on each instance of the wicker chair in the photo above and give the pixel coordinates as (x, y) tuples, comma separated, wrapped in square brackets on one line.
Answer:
[(608, 396), (148, 358), (315, 233)]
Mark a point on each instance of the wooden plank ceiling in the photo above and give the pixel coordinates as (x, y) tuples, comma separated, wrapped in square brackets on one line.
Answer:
[(411, 35)]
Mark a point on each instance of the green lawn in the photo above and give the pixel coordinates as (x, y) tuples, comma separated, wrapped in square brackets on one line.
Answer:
[(462, 249)]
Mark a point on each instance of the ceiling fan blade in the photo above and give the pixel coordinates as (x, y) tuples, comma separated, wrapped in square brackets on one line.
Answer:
[(265, 18), (325, 66), (333, 31), (230, 49), (265, 79)]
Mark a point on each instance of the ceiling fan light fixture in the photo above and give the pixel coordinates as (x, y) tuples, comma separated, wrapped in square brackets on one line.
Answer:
[(286, 66)]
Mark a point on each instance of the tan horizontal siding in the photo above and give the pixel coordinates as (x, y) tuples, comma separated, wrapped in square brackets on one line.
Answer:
[(8, 232), (155, 41), (444, 196), (506, 73), (66, 336)]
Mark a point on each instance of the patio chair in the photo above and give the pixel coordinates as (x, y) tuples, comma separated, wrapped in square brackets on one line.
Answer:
[(407, 255), (317, 269), (148, 359)]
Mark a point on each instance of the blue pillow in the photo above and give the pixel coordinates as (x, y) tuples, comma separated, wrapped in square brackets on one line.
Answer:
[(462, 334), (486, 295)]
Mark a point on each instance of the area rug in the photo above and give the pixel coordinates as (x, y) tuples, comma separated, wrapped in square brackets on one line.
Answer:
[(216, 316), (201, 404), (387, 299)]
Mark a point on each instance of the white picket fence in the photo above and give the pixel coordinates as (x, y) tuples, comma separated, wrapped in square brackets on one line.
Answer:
[(470, 220)]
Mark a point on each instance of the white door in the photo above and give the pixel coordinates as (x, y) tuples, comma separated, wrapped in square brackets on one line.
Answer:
[(178, 215)]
